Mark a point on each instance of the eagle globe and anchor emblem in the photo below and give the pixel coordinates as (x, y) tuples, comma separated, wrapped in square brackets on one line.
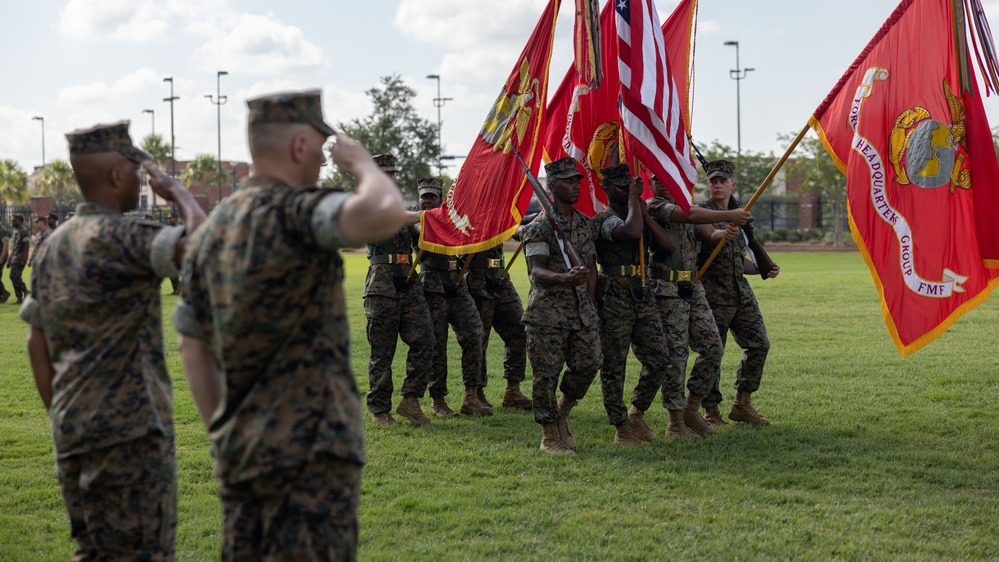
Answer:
[(928, 153)]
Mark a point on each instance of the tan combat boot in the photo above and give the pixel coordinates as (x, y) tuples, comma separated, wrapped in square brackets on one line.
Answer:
[(565, 405), (481, 395), (471, 406), (743, 411), (636, 418), (550, 441), (410, 409), (713, 417), (438, 407), (676, 426), (384, 418), (625, 435), (692, 416), (514, 398)]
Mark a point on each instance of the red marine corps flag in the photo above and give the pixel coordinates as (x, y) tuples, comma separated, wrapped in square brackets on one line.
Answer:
[(906, 125), (487, 201)]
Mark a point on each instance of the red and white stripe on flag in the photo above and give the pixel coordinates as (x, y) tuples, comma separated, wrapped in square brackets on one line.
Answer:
[(650, 102)]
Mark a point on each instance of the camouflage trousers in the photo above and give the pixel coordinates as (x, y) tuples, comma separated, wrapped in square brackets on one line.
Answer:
[(308, 512), (626, 324), (503, 313), (461, 314), (746, 323), (549, 349), (16, 279), (405, 316), (689, 324), (122, 500)]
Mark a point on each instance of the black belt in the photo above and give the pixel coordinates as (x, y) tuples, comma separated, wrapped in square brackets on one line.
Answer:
[(491, 263), (390, 258), (674, 276), (452, 265), (621, 270)]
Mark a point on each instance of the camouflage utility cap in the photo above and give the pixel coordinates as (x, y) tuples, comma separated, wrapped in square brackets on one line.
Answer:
[(290, 107), (105, 138), (53, 217), (386, 162), (723, 168), (430, 185), (619, 175), (563, 168)]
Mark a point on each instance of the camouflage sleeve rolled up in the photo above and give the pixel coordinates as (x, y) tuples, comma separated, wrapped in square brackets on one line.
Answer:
[(325, 221)]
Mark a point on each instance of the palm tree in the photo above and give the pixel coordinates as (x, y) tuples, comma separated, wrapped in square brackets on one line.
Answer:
[(58, 182), (203, 171), (13, 182), (158, 149)]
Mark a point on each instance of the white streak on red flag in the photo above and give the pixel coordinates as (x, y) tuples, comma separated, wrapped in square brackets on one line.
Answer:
[(650, 102)]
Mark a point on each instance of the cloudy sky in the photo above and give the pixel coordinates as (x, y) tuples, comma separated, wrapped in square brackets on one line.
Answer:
[(81, 62)]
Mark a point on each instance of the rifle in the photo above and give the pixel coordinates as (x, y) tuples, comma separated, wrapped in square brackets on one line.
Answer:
[(763, 261), (575, 258)]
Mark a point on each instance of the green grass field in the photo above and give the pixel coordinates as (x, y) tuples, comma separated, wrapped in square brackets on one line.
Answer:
[(870, 456)]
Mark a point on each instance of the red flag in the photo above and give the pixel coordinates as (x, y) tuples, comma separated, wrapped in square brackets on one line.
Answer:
[(488, 199), (915, 147), (584, 123), (650, 101)]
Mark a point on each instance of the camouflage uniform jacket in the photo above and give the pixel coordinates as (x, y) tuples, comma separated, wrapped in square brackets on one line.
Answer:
[(39, 238), (380, 276), (686, 241), (559, 306), (4, 238), (19, 246), (485, 281), (97, 299), (724, 281), (263, 287), (612, 253)]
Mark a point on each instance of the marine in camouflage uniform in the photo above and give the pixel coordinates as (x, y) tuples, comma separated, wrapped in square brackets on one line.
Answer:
[(395, 308), (39, 238), (562, 322), (19, 246), (733, 303), (500, 308), (450, 303), (686, 316), (4, 249), (628, 317), (95, 314), (263, 289)]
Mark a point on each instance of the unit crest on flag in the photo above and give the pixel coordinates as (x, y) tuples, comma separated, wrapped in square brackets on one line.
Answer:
[(512, 113), (930, 153)]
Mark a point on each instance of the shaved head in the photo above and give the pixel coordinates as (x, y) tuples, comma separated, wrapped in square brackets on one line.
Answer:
[(107, 175), (292, 152)]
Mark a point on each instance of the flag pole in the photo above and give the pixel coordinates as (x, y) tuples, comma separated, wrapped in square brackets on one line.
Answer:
[(506, 272), (752, 200), (464, 268), (412, 268)]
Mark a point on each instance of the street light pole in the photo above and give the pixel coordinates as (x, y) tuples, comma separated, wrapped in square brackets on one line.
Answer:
[(739, 74), (42, 119), (439, 103), (173, 157), (152, 116), (219, 100)]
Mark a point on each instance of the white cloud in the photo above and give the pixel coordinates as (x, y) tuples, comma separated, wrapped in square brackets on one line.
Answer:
[(259, 45), (708, 26), (127, 20), (99, 92), (459, 24)]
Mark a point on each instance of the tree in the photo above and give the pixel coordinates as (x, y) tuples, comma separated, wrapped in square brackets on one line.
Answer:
[(203, 170), (817, 171), (13, 182), (159, 150), (394, 127), (58, 182)]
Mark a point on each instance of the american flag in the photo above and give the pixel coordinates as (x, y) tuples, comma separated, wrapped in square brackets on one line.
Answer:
[(650, 102)]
